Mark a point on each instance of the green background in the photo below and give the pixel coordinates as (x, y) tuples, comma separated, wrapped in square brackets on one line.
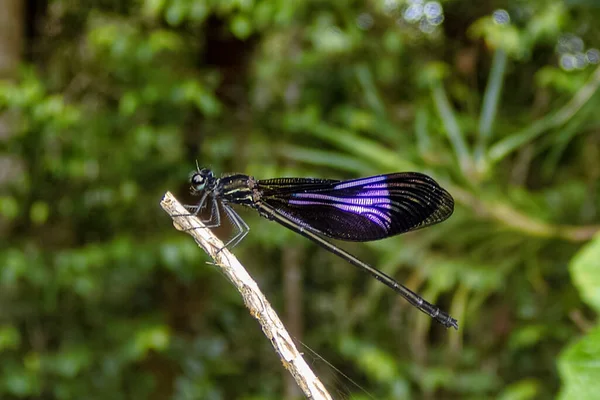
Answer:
[(113, 101)]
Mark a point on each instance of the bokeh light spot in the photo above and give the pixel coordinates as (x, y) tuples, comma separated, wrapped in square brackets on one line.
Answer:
[(580, 60), (593, 56), (569, 43), (432, 9), (567, 62), (501, 17), (364, 21), (413, 13), (389, 6)]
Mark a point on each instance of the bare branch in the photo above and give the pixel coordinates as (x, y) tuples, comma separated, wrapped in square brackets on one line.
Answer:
[(256, 302)]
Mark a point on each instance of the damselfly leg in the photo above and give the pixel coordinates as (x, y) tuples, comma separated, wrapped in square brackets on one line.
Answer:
[(239, 224), (213, 221), (196, 208)]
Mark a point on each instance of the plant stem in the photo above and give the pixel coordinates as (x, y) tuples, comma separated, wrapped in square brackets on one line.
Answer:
[(490, 103), (455, 135)]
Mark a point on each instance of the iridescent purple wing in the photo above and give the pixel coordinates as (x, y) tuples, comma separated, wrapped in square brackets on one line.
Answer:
[(362, 209)]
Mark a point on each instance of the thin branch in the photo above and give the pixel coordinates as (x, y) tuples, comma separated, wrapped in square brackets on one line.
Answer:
[(256, 302)]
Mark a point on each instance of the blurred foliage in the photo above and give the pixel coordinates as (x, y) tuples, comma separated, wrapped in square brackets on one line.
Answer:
[(578, 364), (101, 298)]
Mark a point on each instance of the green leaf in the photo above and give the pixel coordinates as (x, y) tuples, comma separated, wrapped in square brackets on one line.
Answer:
[(497, 36), (586, 274), (580, 369), (378, 365), (9, 337), (9, 207), (567, 82), (21, 383), (176, 13), (522, 390), (39, 212), (241, 27), (547, 24), (157, 338), (71, 360), (153, 8)]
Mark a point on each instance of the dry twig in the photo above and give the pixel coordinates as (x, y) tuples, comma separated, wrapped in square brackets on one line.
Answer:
[(256, 302)]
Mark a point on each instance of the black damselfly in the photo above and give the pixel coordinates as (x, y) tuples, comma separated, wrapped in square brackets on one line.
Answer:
[(358, 210)]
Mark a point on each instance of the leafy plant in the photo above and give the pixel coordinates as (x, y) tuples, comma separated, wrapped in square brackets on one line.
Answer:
[(100, 298)]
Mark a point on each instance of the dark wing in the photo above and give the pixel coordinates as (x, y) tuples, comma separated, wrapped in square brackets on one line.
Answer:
[(362, 209)]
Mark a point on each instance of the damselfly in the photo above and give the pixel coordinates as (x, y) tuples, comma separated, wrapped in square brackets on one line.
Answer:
[(358, 210)]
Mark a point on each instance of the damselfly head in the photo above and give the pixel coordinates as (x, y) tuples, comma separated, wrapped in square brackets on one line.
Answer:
[(202, 179)]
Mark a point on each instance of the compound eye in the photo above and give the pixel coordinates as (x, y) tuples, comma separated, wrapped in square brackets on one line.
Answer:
[(206, 173), (198, 182)]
